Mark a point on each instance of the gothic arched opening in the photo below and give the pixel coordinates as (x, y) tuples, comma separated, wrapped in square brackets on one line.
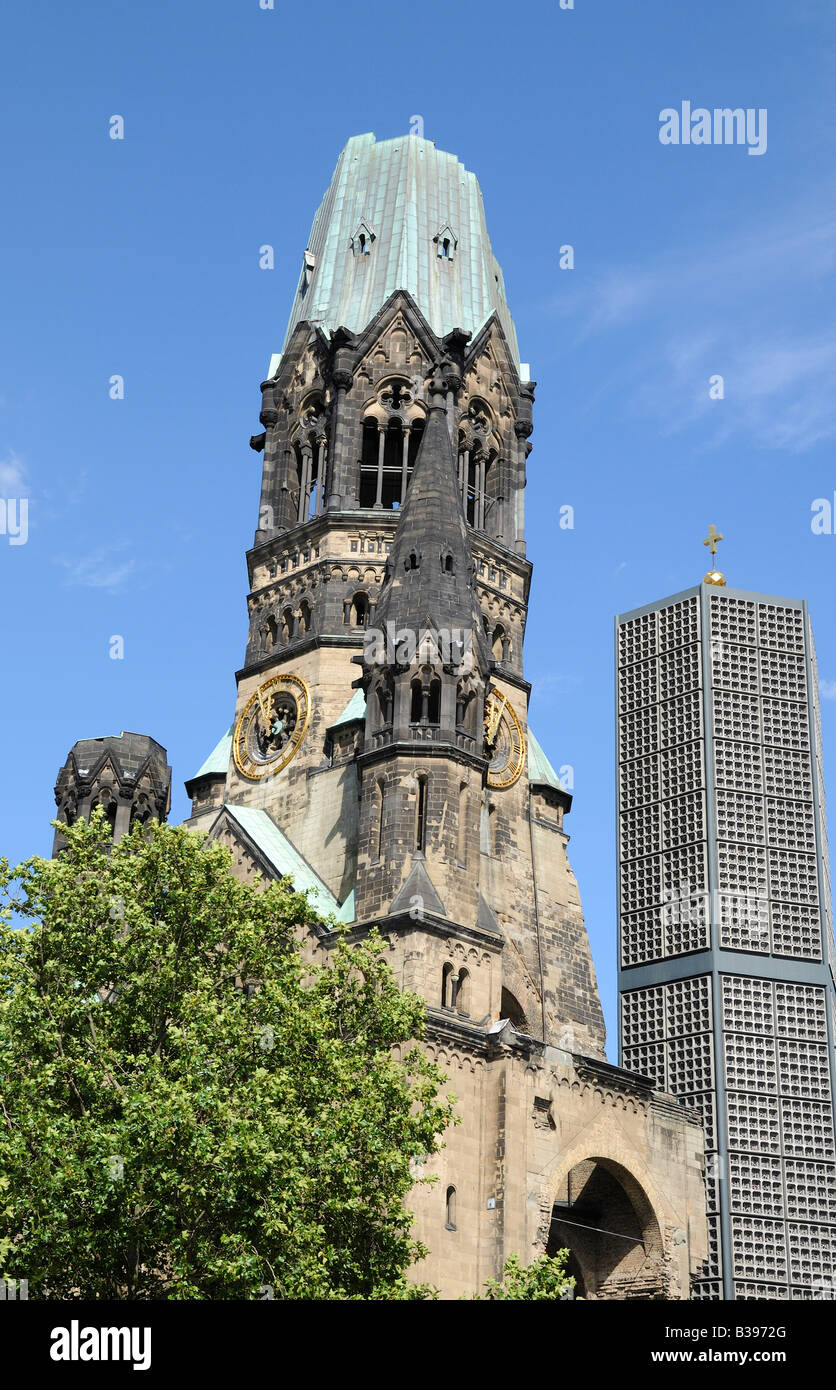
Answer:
[(107, 801), (359, 610), (511, 1009), (604, 1218), (392, 433), (368, 463), (447, 985)]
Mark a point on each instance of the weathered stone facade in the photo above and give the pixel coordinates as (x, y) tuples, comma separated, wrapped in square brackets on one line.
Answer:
[(127, 775), (413, 796)]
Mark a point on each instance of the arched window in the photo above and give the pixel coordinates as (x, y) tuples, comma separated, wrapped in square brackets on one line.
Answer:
[(462, 850), (434, 707), (389, 450), (379, 854), (511, 1009), (421, 817), (288, 624), (447, 986), (499, 643), (395, 464), (466, 704), (413, 561), (385, 702), (359, 611), (304, 618), (272, 631), (450, 1209), (463, 992), (448, 564), (142, 811), (368, 463), (476, 457), (416, 707), (309, 454), (107, 801), (415, 436)]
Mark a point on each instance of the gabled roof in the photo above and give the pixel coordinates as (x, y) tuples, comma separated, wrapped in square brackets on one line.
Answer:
[(282, 856), (348, 911), (355, 709), (218, 760), (418, 888), (539, 768), (404, 189)]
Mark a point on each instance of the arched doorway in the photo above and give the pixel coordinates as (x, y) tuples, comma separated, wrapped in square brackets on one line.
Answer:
[(603, 1217)]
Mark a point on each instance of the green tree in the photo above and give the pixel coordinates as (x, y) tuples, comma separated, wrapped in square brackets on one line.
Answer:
[(544, 1278), (186, 1109)]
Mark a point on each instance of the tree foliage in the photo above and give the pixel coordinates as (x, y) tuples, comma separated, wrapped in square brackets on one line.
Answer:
[(186, 1110), (544, 1278)]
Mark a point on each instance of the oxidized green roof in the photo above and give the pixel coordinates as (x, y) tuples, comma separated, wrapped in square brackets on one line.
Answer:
[(218, 760), (355, 709), (406, 192), (282, 855), (348, 911), (539, 767)]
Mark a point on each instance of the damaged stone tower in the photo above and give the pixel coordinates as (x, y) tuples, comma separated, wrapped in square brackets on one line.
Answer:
[(380, 752)]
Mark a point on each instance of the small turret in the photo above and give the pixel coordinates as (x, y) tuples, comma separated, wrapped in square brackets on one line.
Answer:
[(128, 776)]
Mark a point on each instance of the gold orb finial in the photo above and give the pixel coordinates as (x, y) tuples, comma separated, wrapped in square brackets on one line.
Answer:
[(711, 540)]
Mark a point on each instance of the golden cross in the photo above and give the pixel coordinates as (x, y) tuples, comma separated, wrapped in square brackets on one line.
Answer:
[(711, 540)]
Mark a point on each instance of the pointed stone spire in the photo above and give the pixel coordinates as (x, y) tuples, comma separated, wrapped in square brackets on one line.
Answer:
[(429, 585)]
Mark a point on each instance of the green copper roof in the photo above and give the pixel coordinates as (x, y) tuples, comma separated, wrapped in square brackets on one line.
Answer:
[(284, 857), (539, 767), (218, 760), (348, 911), (355, 709), (406, 192)]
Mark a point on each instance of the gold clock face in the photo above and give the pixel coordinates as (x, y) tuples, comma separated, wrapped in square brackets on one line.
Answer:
[(271, 727), (504, 741)]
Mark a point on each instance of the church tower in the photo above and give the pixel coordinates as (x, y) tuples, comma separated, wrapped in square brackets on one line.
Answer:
[(380, 752)]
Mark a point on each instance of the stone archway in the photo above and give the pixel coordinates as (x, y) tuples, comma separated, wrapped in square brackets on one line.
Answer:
[(603, 1216)]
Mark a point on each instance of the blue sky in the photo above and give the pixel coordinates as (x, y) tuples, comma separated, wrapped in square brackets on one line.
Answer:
[(140, 258)]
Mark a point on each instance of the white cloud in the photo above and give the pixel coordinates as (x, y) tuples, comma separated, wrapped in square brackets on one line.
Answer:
[(827, 690), (555, 683), (101, 569), (13, 476), (745, 308)]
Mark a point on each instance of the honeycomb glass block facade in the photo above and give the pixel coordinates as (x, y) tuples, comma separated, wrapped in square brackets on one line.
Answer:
[(725, 931)]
